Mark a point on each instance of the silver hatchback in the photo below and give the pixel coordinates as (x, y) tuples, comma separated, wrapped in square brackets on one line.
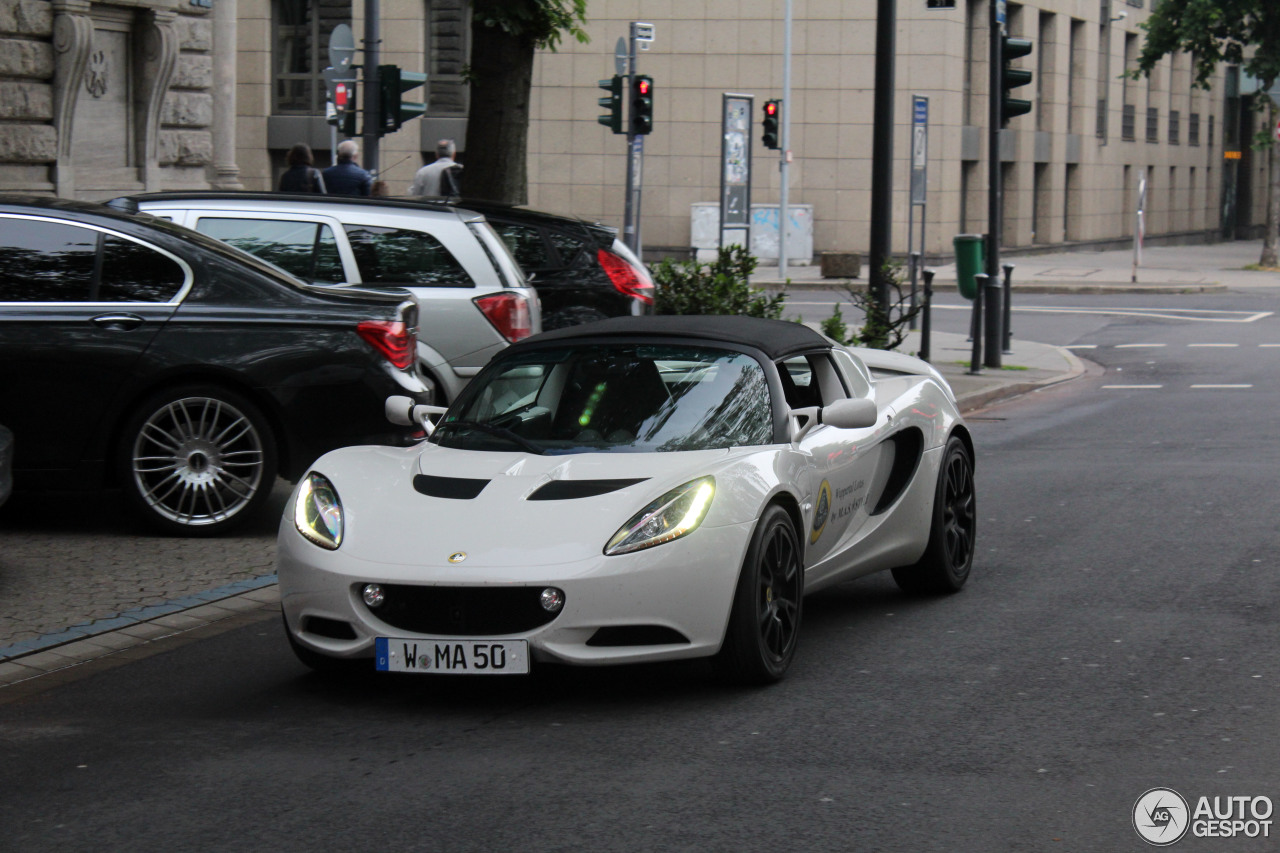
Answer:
[(474, 300)]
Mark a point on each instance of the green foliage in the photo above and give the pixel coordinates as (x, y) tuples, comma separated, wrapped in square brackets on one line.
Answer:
[(884, 326), (1215, 31), (543, 21), (720, 287)]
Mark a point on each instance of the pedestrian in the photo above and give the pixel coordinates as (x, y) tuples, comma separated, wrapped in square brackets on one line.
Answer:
[(301, 176), (346, 177), (441, 178), (381, 189)]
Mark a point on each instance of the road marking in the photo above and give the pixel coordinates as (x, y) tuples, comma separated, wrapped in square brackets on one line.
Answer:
[(1187, 314), (1081, 346), (1221, 386), (1268, 345), (1213, 345), (1138, 346), (1130, 387)]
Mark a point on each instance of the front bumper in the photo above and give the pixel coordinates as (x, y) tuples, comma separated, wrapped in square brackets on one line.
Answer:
[(663, 603)]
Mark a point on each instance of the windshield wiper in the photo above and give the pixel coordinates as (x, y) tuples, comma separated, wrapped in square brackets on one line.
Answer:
[(500, 432)]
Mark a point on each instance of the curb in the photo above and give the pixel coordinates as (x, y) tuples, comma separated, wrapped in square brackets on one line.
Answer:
[(977, 400), (1055, 287)]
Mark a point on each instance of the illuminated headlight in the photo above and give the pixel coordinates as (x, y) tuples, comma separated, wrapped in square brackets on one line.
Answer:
[(671, 516), (317, 512)]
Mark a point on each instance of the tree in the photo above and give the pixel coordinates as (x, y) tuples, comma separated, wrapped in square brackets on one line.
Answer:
[(504, 36), (1239, 32)]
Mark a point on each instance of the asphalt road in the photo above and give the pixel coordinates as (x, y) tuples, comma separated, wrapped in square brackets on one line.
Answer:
[(1118, 634)]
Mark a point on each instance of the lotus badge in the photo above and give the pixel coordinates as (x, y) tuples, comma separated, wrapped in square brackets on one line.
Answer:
[(457, 556)]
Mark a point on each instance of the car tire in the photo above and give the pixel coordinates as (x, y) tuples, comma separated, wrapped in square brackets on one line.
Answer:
[(764, 624), (196, 460), (948, 557)]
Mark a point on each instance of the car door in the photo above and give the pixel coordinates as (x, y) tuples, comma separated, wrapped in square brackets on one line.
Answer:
[(844, 463), (79, 304)]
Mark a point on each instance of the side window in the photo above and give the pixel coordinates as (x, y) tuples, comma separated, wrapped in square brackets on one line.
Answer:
[(402, 257), (309, 250), (132, 272), (525, 243), (572, 250), (43, 261), (810, 380)]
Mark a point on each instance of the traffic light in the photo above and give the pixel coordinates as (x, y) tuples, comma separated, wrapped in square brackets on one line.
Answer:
[(1010, 78), (611, 102), (772, 114), (641, 104), (393, 111)]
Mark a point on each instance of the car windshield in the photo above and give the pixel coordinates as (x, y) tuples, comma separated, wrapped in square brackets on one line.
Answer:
[(613, 398)]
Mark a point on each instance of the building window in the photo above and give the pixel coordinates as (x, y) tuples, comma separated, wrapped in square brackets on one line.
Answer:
[(448, 51), (301, 53), (1153, 124), (1175, 119), (1126, 123), (1193, 129)]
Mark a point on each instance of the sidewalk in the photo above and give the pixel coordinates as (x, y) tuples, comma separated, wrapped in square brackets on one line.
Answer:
[(1212, 267), (145, 630)]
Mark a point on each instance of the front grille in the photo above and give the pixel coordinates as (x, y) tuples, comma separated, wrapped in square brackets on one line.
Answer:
[(331, 628), (466, 611), (637, 635)]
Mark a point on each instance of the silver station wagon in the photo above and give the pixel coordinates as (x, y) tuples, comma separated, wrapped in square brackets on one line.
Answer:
[(474, 300)]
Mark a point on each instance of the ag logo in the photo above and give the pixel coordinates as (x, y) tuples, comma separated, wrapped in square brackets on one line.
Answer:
[(457, 556), (1161, 816), (822, 513)]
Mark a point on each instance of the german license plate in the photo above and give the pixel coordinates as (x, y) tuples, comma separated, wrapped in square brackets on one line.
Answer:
[(452, 657)]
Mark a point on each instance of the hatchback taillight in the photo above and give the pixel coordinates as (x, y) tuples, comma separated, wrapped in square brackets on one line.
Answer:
[(509, 314), (625, 277), (392, 338)]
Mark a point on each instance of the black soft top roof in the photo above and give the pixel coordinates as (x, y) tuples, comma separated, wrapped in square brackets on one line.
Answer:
[(775, 338)]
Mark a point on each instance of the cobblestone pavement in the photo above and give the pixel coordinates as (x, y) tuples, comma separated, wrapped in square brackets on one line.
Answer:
[(74, 559)]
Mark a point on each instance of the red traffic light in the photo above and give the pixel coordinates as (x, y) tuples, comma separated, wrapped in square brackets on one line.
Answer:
[(770, 108), (643, 86)]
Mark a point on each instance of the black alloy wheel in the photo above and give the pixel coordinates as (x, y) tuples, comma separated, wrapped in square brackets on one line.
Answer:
[(948, 557), (764, 625), (196, 460)]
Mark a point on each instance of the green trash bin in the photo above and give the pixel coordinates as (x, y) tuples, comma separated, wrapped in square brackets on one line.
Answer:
[(970, 260)]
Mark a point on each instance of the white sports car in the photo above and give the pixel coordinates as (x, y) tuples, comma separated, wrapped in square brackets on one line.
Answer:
[(636, 489)]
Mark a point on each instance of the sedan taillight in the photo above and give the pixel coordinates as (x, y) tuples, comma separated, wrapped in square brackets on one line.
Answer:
[(509, 314), (625, 277), (392, 338)]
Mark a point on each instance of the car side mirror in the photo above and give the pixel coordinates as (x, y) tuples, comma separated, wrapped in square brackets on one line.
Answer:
[(405, 411), (849, 413)]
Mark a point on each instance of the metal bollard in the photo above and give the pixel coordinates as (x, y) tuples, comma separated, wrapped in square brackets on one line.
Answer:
[(994, 318), (975, 355), (1008, 308), (926, 323)]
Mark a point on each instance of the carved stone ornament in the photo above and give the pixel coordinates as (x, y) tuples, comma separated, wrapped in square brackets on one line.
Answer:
[(95, 78)]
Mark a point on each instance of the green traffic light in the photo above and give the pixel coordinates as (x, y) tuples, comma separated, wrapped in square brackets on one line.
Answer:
[(1011, 78), (393, 111)]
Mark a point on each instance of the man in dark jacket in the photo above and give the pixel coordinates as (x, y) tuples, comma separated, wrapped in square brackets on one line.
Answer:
[(346, 177)]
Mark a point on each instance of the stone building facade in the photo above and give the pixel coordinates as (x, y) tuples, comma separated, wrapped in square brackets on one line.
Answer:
[(102, 99)]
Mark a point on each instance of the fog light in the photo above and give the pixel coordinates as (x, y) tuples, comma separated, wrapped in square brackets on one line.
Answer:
[(373, 595), (552, 599)]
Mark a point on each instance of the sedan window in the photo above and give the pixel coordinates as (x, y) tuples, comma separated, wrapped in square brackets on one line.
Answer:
[(132, 272), (403, 257), (306, 249), (43, 261)]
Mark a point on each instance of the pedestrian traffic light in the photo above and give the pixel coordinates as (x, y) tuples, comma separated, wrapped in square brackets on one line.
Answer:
[(611, 102), (1010, 78), (641, 104), (772, 114), (393, 110)]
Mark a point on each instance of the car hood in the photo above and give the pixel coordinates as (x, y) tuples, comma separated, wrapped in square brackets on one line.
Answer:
[(420, 506)]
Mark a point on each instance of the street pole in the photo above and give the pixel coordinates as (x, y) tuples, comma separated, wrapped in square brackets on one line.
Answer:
[(784, 214), (995, 207), (635, 156), (882, 154), (372, 38)]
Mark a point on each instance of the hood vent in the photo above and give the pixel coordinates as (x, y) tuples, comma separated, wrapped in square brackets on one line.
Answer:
[(565, 490), (454, 488)]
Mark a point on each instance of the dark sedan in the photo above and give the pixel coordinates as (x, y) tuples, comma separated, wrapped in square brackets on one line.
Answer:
[(140, 355), (581, 270)]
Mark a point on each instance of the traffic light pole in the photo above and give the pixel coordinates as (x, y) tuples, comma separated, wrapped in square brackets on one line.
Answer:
[(784, 213), (994, 184), (635, 158), (372, 113)]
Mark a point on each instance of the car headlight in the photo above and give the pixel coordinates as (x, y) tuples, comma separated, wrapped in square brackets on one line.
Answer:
[(317, 512), (671, 516)]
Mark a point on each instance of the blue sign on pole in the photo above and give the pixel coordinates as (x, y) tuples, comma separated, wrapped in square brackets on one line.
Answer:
[(919, 147)]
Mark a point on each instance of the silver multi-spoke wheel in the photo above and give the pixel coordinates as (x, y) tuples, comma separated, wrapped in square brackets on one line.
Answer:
[(198, 460)]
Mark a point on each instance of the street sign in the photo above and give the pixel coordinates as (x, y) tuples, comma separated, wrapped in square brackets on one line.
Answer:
[(644, 32), (735, 169), (919, 148), (620, 56), (342, 47), (1000, 12)]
